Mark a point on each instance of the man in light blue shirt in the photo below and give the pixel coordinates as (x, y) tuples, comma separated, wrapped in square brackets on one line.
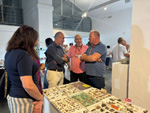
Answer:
[(94, 59)]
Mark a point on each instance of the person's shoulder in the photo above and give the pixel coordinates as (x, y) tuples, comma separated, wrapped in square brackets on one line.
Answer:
[(72, 47), (101, 45), (20, 52), (85, 46), (51, 46), (122, 46), (114, 46)]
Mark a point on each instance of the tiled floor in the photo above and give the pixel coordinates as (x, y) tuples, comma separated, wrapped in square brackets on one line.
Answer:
[(108, 77), (4, 106)]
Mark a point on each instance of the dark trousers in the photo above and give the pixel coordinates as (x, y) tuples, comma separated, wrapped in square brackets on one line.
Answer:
[(94, 81), (75, 76), (107, 61)]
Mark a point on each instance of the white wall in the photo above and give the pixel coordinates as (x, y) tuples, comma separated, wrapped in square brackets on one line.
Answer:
[(113, 28), (139, 74), (6, 32)]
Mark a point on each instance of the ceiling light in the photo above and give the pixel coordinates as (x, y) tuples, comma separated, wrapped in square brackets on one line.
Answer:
[(84, 15), (105, 8)]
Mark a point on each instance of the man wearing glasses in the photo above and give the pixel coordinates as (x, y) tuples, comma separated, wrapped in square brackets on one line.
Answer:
[(76, 66)]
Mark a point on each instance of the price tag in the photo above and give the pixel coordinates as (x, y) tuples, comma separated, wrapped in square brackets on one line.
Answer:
[(86, 85), (127, 100)]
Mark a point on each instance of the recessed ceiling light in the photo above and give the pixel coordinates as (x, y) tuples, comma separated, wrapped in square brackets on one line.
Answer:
[(105, 8), (84, 15)]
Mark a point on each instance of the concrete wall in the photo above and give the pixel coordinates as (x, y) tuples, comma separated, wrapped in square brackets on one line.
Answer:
[(39, 14), (30, 13), (139, 74)]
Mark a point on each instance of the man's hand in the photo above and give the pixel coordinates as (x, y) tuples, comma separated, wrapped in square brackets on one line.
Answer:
[(82, 57), (127, 47), (65, 56), (65, 59), (54, 62), (99, 60), (42, 66), (38, 106)]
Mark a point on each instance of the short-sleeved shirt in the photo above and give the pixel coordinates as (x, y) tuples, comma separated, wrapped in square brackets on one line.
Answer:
[(118, 52), (18, 63), (96, 68), (76, 65), (108, 53), (55, 53)]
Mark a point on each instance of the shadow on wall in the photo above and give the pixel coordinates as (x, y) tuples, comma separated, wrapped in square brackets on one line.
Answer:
[(139, 76)]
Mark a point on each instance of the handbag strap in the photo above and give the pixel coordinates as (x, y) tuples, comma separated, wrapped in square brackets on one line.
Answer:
[(6, 83)]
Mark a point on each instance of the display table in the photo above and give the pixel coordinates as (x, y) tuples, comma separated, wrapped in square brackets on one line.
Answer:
[(78, 97), (120, 80)]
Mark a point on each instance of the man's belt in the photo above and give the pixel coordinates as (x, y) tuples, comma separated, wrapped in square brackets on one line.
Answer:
[(59, 70)]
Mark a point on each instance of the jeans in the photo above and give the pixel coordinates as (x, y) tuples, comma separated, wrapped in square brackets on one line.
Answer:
[(45, 80), (107, 61)]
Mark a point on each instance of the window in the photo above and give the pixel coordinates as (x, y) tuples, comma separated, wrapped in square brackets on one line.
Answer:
[(57, 6), (67, 16), (67, 8), (57, 22), (11, 12)]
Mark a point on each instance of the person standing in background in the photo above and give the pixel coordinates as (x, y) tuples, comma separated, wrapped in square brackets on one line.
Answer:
[(76, 67), (21, 66), (119, 51), (65, 48), (41, 67), (48, 41), (109, 53), (56, 58), (94, 58), (126, 45)]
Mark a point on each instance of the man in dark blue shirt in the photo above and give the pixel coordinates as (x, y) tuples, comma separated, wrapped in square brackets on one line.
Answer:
[(56, 59), (94, 58)]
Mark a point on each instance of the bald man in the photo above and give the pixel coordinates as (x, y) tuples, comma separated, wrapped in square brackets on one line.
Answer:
[(120, 51), (77, 69), (94, 59), (56, 59)]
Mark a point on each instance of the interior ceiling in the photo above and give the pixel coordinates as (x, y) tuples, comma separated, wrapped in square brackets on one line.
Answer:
[(95, 8)]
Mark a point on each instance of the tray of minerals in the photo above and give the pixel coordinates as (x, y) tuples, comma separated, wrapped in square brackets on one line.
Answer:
[(121, 105), (84, 110), (80, 85), (67, 105), (102, 107), (52, 93), (96, 93), (84, 99), (68, 89)]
